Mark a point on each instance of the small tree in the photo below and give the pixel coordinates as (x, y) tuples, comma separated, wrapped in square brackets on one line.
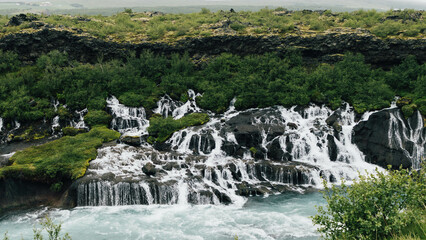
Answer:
[(53, 231), (376, 206)]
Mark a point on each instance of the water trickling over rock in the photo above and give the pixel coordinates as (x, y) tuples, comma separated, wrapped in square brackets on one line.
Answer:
[(237, 154)]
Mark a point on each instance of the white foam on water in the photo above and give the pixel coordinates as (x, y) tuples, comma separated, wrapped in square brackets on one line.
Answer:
[(276, 217), (127, 120)]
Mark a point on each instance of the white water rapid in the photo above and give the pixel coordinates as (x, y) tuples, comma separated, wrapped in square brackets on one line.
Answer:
[(236, 154)]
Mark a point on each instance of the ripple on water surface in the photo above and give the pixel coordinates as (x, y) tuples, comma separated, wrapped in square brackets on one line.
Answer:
[(283, 216)]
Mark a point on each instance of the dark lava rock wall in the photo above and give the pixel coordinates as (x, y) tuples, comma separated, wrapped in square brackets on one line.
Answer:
[(317, 48), (387, 138)]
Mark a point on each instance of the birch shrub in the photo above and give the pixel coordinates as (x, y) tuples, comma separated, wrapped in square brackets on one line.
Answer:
[(377, 206)]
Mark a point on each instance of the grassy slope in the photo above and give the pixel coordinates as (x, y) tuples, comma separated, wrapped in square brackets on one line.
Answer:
[(64, 159), (140, 27)]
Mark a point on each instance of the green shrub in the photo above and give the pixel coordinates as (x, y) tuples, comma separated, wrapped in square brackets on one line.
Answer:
[(9, 61), (388, 28), (377, 206), (70, 131), (237, 26), (132, 99), (408, 110), (97, 103), (160, 129), (97, 117)]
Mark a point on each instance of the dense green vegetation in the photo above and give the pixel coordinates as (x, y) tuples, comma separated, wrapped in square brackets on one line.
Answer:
[(137, 27), (160, 129), (59, 161), (26, 91), (377, 206)]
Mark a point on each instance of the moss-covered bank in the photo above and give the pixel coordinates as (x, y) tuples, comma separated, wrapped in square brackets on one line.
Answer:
[(59, 161)]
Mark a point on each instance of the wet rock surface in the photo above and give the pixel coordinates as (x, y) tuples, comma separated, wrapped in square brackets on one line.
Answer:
[(387, 138), (239, 154)]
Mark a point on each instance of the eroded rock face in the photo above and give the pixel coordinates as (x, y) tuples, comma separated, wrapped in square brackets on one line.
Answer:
[(21, 18), (21, 193), (316, 48), (125, 175), (387, 138)]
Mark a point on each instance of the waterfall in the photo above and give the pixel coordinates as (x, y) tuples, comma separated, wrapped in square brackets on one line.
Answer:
[(127, 120), (235, 155), (55, 124), (168, 107), (404, 132), (1, 124), (79, 122)]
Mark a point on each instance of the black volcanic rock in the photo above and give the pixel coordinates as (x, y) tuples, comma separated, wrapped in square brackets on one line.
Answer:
[(372, 138), (317, 48)]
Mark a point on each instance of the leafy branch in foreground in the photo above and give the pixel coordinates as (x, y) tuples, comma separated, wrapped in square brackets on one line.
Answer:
[(53, 231), (377, 206)]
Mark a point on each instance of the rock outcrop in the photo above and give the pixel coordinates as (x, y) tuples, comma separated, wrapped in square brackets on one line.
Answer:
[(326, 47), (387, 138)]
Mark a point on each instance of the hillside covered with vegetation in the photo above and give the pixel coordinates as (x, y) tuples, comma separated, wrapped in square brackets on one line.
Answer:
[(155, 26), (26, 91)]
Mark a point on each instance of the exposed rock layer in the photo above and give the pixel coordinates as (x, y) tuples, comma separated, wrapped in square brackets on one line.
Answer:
[(314, 48)]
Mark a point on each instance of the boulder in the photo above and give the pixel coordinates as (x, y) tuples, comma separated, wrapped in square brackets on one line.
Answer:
[(149, 169), (332, 148), (372, 138), (131, 140)]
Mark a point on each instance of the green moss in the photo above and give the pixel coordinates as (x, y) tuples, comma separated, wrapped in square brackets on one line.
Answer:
[(253, 150), (408, 110), (161, 129), (97, 117), (70, 131), (28, 135), (63, 160), (403, 101)]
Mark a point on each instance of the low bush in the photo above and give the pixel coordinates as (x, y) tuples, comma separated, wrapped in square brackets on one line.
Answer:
[(97, 117), (70, 131), (160, 129), (377, 206)]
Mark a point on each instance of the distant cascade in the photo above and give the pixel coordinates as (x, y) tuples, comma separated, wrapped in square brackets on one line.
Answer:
[(129, 120), (234, 155), (1, 124), (79, 122), (168, 107)]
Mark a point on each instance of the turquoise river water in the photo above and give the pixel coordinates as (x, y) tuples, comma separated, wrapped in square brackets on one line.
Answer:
[(284, 216)]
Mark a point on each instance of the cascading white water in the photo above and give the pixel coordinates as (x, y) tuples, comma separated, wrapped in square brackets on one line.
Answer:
[(127, 120), (168, 107), (55, 123), (234, 155), (238, 153), (1, 124), (402, 131), (79, 123)]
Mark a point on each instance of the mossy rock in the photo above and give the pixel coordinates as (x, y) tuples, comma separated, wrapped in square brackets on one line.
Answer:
[(161, 129), (62, 160), (253, 150), (71, 131), (403, 101), (131, 140), (408, 110)]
